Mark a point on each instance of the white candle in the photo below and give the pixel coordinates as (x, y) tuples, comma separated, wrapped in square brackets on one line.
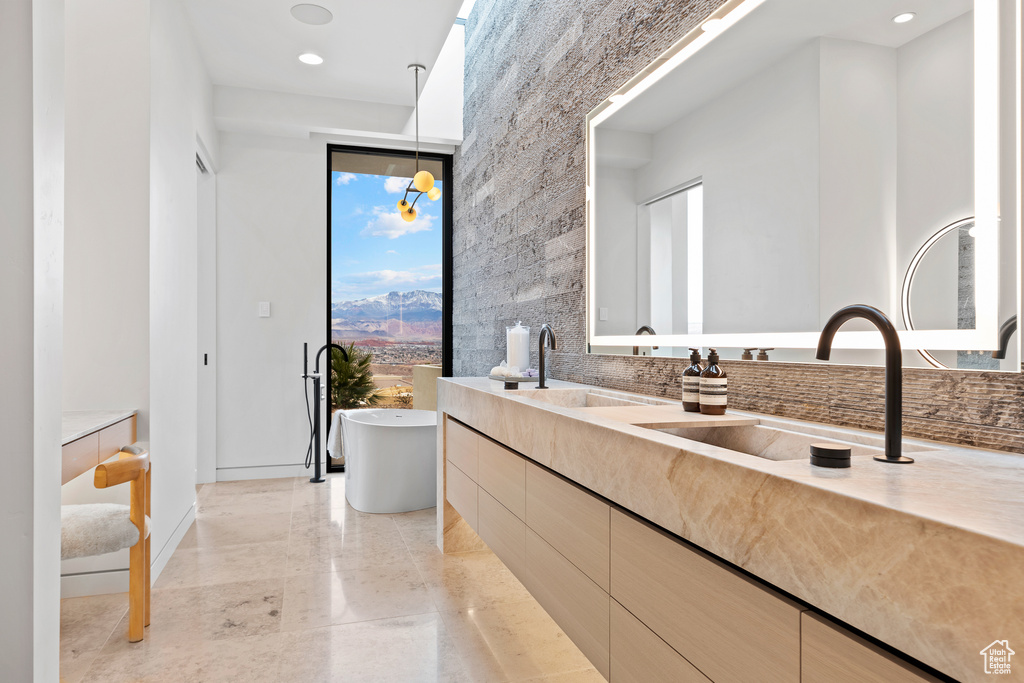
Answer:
[(517, 342)]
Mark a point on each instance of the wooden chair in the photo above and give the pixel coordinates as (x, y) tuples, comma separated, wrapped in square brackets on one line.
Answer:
[(100, 528)]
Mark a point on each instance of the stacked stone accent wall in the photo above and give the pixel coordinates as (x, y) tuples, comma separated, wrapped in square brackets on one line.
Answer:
[(533, 71)]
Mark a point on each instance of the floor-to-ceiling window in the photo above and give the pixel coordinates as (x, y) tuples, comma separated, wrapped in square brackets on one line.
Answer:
[(387, 276)]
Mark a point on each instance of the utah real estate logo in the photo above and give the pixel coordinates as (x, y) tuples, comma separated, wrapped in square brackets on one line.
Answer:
[(997, 657)]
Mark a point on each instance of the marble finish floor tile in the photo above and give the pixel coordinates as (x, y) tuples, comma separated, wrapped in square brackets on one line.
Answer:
[(347, 551), (512, 642), (218, 612), (280, 580), (414, 649), (252, 659), (215, 532), (190, 567), (471, 579), (350, 595)]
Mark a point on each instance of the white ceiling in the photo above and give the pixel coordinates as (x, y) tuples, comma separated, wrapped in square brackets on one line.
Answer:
[(366, 48)]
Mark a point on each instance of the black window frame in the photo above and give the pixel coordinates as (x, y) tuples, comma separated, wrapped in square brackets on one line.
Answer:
[(446, 251)]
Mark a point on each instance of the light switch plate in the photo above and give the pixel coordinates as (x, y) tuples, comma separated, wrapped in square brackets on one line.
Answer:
[(602, 314), (264, 309)]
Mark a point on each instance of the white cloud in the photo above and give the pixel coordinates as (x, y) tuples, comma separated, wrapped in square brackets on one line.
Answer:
[(395, 185), (346, 178), (391, 251), (387, 222), (359, 285)]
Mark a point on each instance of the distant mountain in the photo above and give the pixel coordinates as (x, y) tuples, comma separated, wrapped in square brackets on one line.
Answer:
[(412, 315)]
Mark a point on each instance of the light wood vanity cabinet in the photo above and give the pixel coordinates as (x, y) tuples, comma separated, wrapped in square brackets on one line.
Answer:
[(502, 473), (725, 624), (640, 656), (503, 532), (642, 605), (576, 603), (461, 447), (462, 493), (832, 654), (571, 519)]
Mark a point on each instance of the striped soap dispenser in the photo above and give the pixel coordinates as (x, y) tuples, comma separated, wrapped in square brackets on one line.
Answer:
[(713, 387)]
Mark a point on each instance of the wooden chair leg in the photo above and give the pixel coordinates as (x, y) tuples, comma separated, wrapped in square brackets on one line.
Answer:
[(136, 591), (149, 581)]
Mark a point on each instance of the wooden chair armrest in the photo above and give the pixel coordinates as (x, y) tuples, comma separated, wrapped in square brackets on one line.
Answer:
[(120, 471)]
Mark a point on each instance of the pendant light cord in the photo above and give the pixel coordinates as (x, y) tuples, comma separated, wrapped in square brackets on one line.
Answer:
[(416, 107)]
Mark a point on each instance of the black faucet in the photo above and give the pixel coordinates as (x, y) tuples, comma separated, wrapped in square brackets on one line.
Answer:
[(1006, 331), (545, 333), (893, 372), (649, 330)]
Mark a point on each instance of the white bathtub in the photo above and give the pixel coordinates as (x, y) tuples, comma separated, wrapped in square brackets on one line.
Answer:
[(390, 459)]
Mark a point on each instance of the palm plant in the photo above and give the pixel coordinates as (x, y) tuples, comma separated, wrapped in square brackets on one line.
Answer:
[(351, 383)]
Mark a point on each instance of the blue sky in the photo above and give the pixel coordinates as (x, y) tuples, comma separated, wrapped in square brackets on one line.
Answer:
[(374, 251)]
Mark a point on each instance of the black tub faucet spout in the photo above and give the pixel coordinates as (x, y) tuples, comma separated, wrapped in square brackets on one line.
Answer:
[(893, 372)]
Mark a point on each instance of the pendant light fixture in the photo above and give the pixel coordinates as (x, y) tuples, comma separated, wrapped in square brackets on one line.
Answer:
[(423, 181)]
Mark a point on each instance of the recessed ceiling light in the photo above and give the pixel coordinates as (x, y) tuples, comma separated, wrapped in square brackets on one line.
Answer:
[(314, 15), (310, 58), (617, 97), (903, 18), (711, 26)]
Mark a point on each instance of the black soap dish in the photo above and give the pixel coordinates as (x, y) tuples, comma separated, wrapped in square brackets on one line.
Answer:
[(830, 455)]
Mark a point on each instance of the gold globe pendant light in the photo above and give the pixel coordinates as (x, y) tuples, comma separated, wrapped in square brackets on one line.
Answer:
[(422, 181)]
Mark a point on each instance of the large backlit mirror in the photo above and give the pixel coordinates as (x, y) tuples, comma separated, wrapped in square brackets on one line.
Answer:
[(797, 156)]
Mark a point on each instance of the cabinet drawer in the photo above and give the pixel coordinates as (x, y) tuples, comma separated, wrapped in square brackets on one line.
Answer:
[(460, 447), (502, 474), (638, 655), (571, 519), (577, 604), (115, 437), (78, 456), (726, 625), (461, 492), (831, 654), (503, 532)]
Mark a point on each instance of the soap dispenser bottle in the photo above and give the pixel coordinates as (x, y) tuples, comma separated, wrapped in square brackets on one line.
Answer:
[(691, 383), (713, 387)]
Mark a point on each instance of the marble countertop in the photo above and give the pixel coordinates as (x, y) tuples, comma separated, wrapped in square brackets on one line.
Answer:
[(78, 423), (927, 557)]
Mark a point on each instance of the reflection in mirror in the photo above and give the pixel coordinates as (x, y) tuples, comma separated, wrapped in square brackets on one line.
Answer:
[(799, 162)]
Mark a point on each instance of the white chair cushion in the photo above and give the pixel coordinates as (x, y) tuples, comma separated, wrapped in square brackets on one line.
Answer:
[(96, 529)]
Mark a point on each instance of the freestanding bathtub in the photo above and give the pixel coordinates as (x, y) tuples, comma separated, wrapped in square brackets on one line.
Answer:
[(390, 459)]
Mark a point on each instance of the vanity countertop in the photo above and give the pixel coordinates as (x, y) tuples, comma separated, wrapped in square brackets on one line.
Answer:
[(926, 557), (78, 423)]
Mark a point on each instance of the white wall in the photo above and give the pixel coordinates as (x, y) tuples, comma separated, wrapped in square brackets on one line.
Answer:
[(616, 232), (106, 270), (441, 96), (756, 148), (140, 104), (271, 246), (106, 266), (31, 282), (181, 98), (936, 143), (857, 191)]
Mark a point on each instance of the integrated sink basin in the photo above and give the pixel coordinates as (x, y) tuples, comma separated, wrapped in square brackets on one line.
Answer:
[(586, 397), (769, 438), (773, 442)]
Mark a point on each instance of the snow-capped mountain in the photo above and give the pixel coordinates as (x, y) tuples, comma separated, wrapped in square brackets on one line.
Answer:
[(410, 315)]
